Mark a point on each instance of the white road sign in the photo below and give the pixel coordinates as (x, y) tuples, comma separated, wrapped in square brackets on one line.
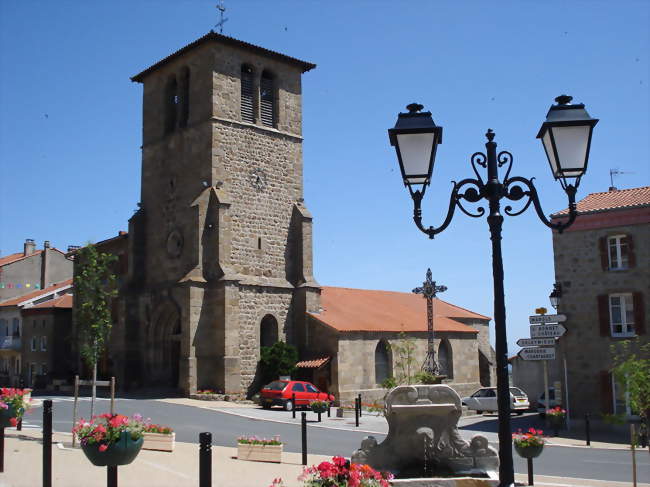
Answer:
[(536, 342), (546, 319), (537, 353), (547, 331)]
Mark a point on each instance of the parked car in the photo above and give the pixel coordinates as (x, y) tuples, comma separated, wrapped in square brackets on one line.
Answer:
[(485, 399), (280, 393), (541, 401)]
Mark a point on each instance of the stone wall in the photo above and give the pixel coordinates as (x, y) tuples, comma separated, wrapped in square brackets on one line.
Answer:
[(578, 268)]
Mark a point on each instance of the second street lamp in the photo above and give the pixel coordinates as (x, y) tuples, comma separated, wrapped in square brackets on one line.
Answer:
[(566, 136)]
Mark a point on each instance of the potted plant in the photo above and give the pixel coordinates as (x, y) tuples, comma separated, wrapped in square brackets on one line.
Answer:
[(158, 437), (13, 404), (529, 444), (110, 440), (319, 406), (341, 473), (556, 417), (259, 449)]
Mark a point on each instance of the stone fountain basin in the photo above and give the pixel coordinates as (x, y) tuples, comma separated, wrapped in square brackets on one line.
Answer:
[(491, 481)]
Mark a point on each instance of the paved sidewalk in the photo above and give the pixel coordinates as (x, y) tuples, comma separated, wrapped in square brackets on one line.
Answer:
[(70, 468)]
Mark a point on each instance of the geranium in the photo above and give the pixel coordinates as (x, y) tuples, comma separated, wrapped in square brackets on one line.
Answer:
[(556, 413), (15, 398), (106, 429), (341, 473), (156, 428), (530, 438), (256, 440)]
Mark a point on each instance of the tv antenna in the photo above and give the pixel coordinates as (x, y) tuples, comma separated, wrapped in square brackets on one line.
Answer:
[(615, 172), (221, 8)]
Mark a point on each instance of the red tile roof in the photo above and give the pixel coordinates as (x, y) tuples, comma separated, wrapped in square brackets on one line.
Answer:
[(346, 309), (214, 37), (612, 200), (64, 301), (313, 364), (36, 294), (9, 259)]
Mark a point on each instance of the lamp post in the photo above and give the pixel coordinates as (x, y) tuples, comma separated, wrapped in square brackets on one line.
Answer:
[(556, 295), (428, 290), (566, 137)]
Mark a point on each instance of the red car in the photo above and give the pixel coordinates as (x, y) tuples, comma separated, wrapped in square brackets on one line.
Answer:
[(280, 393)]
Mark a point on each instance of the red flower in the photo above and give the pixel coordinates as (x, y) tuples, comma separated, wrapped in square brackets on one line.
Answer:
[(13, 421), (103, 447)]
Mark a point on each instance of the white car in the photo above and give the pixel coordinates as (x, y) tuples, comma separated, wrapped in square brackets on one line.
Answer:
[(541, 401), (485, 399)]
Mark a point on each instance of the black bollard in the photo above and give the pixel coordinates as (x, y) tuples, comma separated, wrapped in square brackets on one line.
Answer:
[(19, 425), (359, 405), (303, 424), (356, 412), (2, 449), (329, 409), (205, 459), (111, 476), (293, 401), (319, 415), (530, 471), (587, 429), (47, 444)]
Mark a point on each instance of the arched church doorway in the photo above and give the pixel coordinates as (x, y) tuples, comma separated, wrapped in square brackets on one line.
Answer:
[(165, 346), (383, 363), (268, 331)]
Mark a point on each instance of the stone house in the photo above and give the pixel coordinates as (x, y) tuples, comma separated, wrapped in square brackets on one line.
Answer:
[(603, 265), (29, 335), (23, 272), (352, 342)]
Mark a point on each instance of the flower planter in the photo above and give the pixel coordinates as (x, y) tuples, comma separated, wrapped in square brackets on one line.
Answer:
[(259, 453), (344, 413), (159, 441), (122, 452), (319, 408), (6, 415), (529, 451)]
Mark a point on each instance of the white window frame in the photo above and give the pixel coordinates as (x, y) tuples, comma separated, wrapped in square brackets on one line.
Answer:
[(626, 395), (44, 343), (627, 328), (617, 265)]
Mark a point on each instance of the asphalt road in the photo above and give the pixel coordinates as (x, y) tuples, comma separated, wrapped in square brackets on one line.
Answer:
[(189, 421)]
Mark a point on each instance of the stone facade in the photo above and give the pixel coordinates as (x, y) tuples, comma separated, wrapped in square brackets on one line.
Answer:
[(222, 238), (582, 268)]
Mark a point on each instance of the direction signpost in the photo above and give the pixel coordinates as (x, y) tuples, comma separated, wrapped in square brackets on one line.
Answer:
[(550, 330), (536, 342), (537, 353), (537, 319)]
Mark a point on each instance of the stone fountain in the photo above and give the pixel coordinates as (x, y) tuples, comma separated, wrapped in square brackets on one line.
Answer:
[(423, 447)]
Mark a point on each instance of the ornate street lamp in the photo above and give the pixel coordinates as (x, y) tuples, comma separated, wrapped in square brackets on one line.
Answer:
[(566, 136), (428, 290), (555, 295)]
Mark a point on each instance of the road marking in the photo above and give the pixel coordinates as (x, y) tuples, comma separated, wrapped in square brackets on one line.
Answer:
[(161, 467), (638, 463)]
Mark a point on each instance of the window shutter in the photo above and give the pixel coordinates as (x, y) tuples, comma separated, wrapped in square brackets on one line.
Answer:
[(267, 105), (639, 313), (604, 259), (603, 315), (606, 392), (247, 105), (631, 258)]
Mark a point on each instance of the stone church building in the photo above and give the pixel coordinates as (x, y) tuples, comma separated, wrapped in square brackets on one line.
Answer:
[(218, 259)]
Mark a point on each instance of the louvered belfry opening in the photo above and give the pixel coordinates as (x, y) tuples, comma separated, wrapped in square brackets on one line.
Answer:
[(267, 100), (185, 97), (247, 95), (171, 101)]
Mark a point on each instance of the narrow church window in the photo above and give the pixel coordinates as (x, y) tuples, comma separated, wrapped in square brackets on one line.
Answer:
[(259, 243), (268, 331), (171, 102), (445, 359), (247, 95), (383, 366), (185, 97), (267, 100)]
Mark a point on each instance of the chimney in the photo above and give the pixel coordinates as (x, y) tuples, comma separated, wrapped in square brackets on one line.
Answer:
[(46, 244), (72, 248), (30, 246), (45, 264), (613, 188)]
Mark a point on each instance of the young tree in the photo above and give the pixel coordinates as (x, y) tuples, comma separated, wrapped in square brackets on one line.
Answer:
[(405, 361), (94, 287)]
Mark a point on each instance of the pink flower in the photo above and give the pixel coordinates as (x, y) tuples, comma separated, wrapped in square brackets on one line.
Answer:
[(103, 447)]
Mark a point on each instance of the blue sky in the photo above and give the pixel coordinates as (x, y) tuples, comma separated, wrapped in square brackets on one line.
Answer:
[(70, 121)]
